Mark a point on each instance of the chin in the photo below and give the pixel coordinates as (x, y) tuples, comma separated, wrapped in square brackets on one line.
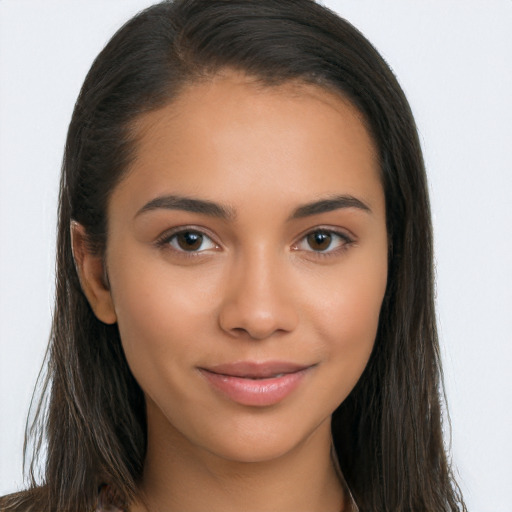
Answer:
[(262, 442), (256, 451)]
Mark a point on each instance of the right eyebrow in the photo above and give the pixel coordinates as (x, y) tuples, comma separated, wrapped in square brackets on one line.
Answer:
[(188, 204), (329, 204)]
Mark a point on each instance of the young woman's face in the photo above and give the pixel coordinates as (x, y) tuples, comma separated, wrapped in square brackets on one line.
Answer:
[(247, 262)]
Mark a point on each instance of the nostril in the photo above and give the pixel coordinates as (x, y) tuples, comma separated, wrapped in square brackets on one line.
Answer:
[(257, 330), (255, 334), (256, 308)]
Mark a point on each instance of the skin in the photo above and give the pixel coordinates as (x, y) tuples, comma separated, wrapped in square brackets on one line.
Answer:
[(257, 288)]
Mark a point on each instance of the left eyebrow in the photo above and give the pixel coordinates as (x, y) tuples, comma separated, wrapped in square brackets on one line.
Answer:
[(188, 204), (328, 205)]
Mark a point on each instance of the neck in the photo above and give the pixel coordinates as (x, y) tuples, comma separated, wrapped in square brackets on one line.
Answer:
[(179, 476)]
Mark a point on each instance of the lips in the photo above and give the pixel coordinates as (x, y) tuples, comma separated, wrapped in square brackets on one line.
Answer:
[(255, 370), (254, 383)]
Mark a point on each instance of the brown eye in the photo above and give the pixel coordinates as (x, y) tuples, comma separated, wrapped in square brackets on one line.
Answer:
[(319, 240), (324, 242), (189, 240)]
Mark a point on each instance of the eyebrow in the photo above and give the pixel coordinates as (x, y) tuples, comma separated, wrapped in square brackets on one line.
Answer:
[(328, 205), (212, 209), (188, 204)]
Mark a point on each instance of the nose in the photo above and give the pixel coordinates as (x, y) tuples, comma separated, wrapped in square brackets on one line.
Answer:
[(258, 301)]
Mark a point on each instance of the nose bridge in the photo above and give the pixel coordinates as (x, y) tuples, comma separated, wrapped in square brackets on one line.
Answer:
[(258, 301)]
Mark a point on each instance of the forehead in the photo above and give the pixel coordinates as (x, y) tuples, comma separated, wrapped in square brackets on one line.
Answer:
[(237, 100), (228, 135)]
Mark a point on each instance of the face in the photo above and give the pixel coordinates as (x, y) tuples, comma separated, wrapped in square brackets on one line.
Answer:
[(247, 264)]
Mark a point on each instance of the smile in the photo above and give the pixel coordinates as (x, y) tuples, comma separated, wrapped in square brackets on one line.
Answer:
[(256, 384)]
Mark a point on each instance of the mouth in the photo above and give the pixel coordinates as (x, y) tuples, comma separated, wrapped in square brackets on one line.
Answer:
[(254, 383)]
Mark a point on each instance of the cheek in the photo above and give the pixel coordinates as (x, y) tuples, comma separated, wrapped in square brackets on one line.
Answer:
[(347, 319), (159, 314)]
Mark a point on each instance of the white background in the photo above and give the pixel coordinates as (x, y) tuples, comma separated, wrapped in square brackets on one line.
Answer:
[(454, 60)]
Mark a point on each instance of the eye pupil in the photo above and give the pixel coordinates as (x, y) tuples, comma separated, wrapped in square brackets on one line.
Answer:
[(189, 240), (319, 240)]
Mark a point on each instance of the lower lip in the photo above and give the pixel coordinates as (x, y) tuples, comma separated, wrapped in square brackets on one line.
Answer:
[(255, 392)]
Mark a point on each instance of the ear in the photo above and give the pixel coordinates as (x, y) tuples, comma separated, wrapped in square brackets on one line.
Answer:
[(93, 276)]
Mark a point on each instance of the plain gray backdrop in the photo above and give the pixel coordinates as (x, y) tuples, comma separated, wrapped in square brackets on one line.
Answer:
[(453, 58)]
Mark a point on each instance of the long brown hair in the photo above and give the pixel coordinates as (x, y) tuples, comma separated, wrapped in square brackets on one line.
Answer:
[(90, 422)]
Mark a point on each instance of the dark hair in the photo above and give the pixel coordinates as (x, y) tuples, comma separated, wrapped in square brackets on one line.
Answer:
[(388, 433)]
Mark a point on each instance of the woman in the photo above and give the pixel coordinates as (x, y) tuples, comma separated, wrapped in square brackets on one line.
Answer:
[(244, 316)]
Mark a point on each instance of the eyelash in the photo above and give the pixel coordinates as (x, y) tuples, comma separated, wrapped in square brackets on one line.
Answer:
[(164, 241)]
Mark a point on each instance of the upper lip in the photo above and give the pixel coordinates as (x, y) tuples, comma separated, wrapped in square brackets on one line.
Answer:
[(256, 370)]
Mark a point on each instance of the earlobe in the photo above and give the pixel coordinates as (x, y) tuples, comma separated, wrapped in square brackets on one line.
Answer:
[(92, 274)]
